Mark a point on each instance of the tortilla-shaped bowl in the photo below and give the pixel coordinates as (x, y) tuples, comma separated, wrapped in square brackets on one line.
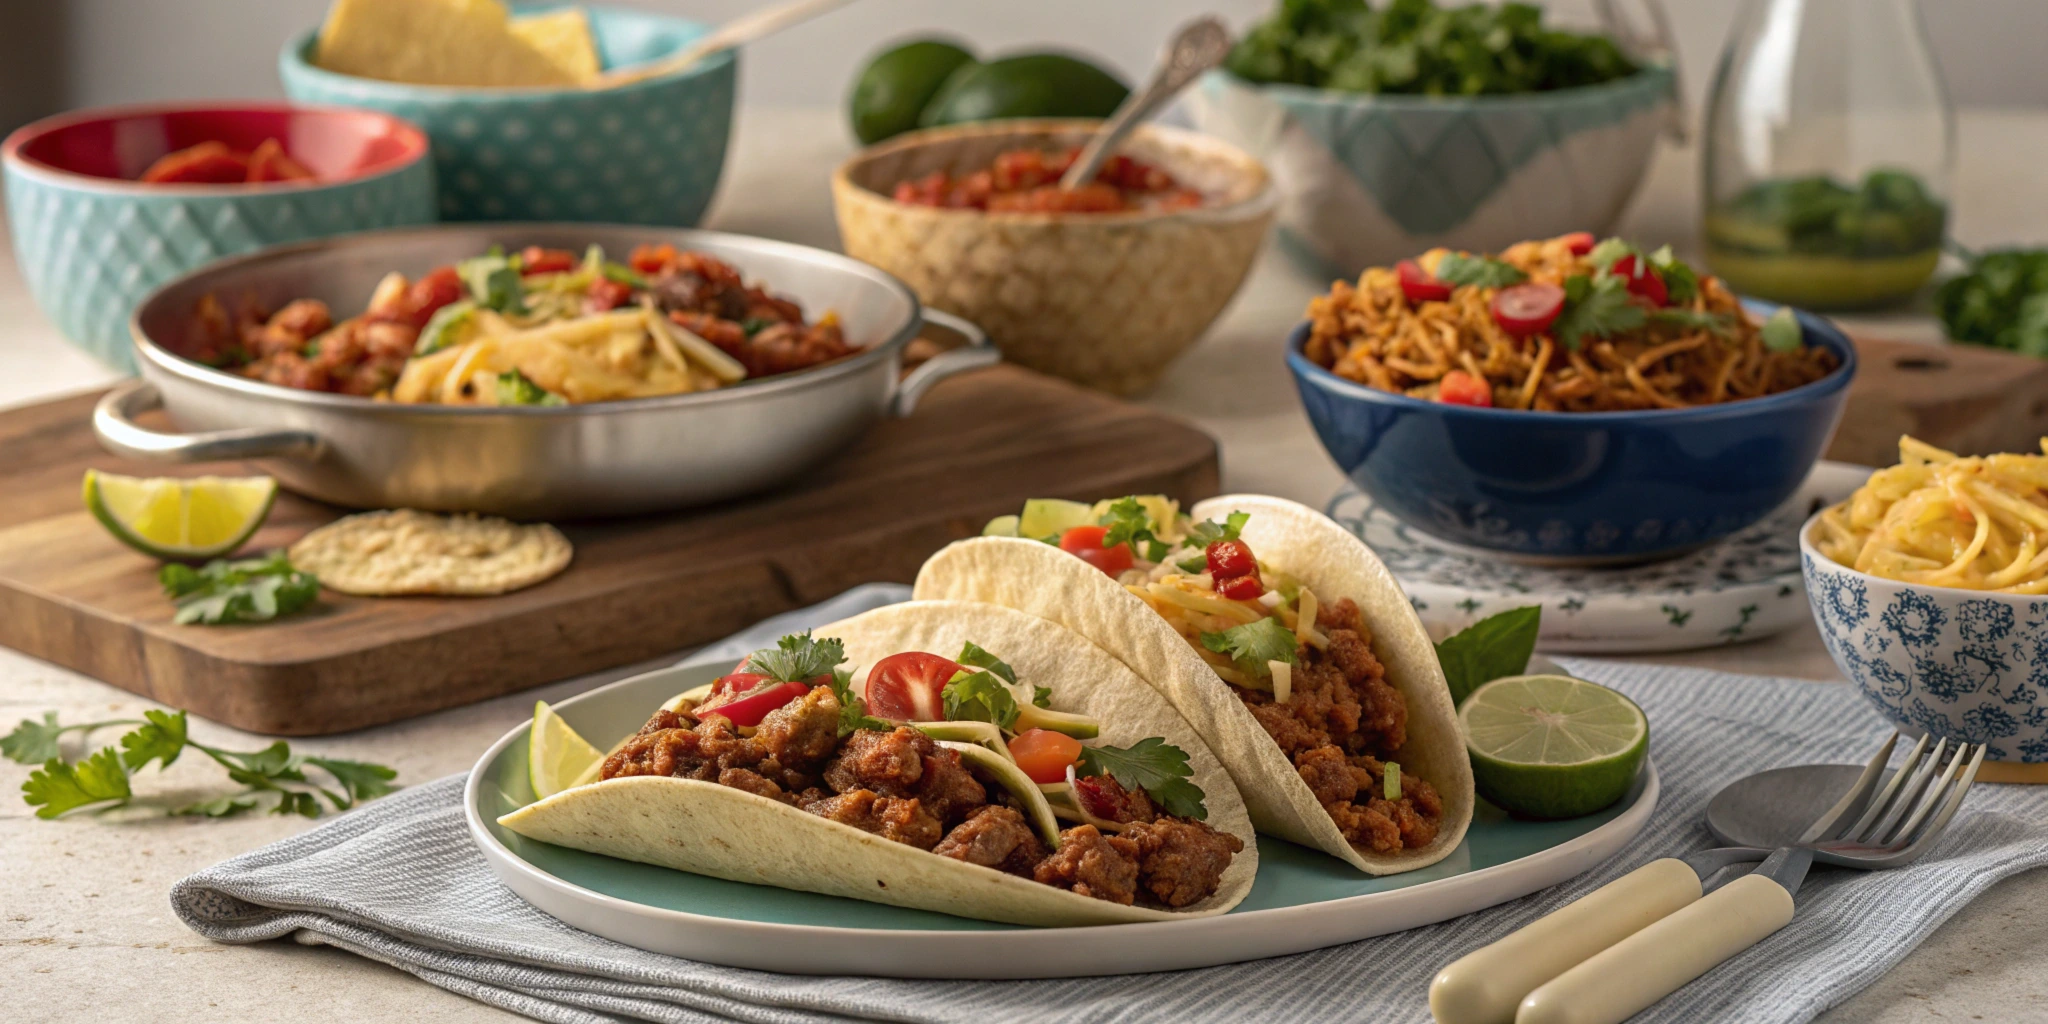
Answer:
[(1105, 300)]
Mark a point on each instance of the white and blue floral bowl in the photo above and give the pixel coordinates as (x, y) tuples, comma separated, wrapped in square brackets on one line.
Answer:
[(1957, 664), (649, 152)]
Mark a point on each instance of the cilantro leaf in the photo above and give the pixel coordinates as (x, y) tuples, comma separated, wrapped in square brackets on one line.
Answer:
[(220, 806), (1486, 272), (493, 282), (1496, 646), (1041, 696), (1128, 522), (441, 328), (755, 324), (1781, 331), (293, 802), (853, 712), (1609, 250), (359, 779), (1254, 644), (1208, 532), (161, 738), (1153, 765), (1681, 282), (246, 590), (1597, 308), (57, 788), (34, 742), (1193, 564), (798, 658), (973, 654), (516, 388), (979, 697)]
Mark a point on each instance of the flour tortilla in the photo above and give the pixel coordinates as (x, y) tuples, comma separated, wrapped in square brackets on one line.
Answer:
[(715, 830), (406, 551), (1038, 578)]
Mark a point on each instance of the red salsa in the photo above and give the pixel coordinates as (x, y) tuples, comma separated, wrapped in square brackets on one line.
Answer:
[(1028, 181)]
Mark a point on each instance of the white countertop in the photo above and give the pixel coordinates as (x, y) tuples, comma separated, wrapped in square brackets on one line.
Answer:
[(86, 932)]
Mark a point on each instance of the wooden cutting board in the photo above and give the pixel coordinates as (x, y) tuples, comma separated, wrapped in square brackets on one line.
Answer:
[(1972, 401), (977, 446)]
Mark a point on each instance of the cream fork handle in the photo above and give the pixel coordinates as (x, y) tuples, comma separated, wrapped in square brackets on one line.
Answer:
[(1486, 985), (1622, 980)]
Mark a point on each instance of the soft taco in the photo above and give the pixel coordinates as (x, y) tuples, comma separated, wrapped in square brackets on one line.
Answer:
[(1022, 775), (1276, 634)]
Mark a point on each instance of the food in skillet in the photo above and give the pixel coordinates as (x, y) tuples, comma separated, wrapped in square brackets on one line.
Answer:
[(1031, 778), (1939, 519), (1560, 325), (1028, 181), (1279, 637), (535, 327)]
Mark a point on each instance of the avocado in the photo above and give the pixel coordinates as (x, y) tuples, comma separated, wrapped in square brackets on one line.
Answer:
[(1028, 85), (1050, 517), (895, 87)]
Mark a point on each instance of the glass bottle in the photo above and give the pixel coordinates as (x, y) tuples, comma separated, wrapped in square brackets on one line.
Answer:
[(1829, 144)]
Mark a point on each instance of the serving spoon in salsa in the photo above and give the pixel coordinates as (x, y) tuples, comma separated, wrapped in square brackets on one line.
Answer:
[(1199, 45)]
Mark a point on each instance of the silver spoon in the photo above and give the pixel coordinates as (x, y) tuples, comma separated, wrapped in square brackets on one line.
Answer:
[(1199, 45)]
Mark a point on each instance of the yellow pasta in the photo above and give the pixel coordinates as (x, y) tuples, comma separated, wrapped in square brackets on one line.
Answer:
[(1978, 523)]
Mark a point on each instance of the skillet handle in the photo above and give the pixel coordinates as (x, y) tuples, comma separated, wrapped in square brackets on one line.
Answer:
[(113, 420), (977, 353)]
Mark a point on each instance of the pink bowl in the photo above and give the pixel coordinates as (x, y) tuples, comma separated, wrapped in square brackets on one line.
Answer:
[(117, 144)]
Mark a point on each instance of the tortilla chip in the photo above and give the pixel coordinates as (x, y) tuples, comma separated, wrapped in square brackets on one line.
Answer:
[(563, 37), (432, 42), (1035, 577), (716, 830)]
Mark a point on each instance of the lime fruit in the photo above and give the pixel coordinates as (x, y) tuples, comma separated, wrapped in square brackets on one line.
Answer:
[(1032, 85), (179, 519), (890, 94), (556, 757), (1550, 746)]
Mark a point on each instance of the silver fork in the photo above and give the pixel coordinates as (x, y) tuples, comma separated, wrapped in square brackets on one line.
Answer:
[(1892, 828)]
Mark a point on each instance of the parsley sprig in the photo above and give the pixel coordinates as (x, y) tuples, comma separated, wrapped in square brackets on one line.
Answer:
[(273, 775), (1254, 644), (979, 697), (1129, 523), (223, 592), (798, 658), (1460, 269), (1153, 765), (853, 712)]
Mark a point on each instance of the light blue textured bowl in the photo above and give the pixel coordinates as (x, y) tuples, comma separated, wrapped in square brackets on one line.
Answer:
[(645, 153), (1956, 664), (92, 243), (1368, 180)]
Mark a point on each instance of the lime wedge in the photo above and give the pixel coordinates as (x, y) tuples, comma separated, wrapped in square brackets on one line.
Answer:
[(556, 757), (179, 519), (1552, 746)]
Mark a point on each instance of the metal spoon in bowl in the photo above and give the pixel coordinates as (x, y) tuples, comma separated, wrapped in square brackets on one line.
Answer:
[(1198, 46), (739, 31)]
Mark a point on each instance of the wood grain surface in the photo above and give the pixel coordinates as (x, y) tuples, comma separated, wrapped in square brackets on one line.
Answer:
[(976, 448), (1973, 401)]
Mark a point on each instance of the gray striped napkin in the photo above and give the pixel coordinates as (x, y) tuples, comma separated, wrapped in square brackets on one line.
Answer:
[(399, 882)]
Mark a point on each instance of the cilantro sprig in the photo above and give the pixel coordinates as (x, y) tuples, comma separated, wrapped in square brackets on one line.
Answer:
[(853, 712), (1254, 644), (1460, 269), (1209, 531), (1153, 765), (1597, 307), (798, 658), (979, 697), (223, 592), (101, 780), (1129, 523), (494, 282)]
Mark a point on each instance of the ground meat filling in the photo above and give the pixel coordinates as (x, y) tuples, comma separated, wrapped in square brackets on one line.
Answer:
[(903, 787), (1339, 723)]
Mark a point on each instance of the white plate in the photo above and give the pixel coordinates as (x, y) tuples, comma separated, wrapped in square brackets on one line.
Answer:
[(1302, 900), (1743, 588)]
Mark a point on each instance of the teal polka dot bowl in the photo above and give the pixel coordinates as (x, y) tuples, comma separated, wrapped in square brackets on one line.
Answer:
[(92, 241), (644, 153)]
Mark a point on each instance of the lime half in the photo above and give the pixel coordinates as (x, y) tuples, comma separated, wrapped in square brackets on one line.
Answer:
[(556, 757), (177, 519), (1552, 746)]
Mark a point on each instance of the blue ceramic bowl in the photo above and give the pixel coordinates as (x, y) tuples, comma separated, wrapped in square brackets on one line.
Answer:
[(1576, 488), (92, 241), (1957, 664), (646, 153)]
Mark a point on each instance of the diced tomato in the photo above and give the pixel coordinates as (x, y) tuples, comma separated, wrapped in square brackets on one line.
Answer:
[(1579, 243), (536, 260), (740, 681), (270, 162), (1527, 308), (1419, 284), (751, 708), (905, 687), (1642, 279), (653, 259), (208, 163), (1460, 388), (1229, 558), (606, 294), (1044, 754), (1241, 588), (1086, 542)]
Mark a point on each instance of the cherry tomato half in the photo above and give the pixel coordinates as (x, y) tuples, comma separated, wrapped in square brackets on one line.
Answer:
[(905, 687), (1642, 279), (1241, 588), (1420, 285), (1086, 542), (750, 709), (536, 260), (1044, 754), (606, 294), (269, 162), (1229, 558), (208, 163), (1579, 243), (1527, 308), (1460, 388)]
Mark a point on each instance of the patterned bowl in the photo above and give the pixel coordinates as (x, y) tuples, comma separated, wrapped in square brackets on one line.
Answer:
[(1577, 488), (1106, 300), (645, 153), (92, 241), (1957, 664), (1368, 180)]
